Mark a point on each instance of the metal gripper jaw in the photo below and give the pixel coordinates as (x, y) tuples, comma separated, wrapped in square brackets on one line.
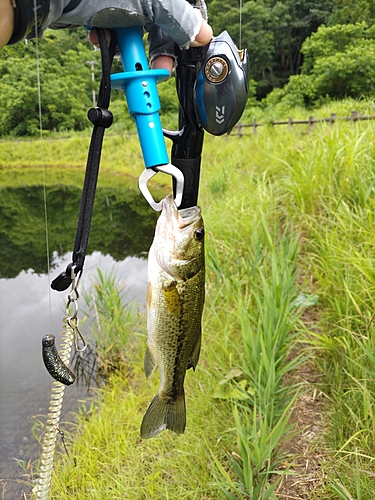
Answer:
[(222, 86)]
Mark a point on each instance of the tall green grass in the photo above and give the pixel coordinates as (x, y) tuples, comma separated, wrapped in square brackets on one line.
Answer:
[(322, 183), (264, 291), (329, 180), (115, 321)]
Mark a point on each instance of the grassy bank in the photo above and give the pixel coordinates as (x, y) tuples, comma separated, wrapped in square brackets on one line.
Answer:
[(323, 184), (289, 220), (113, 462)]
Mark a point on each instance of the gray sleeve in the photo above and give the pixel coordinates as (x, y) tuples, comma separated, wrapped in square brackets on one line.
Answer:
[(160, 44), (180, 20)]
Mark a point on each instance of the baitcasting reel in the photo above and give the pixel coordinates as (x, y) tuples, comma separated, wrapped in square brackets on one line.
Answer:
[(222, 86)]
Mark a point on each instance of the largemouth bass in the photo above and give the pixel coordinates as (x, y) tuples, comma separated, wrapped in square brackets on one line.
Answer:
[(175, 301)]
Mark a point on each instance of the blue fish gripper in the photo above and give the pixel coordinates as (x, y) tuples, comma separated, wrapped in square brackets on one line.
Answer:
[(139, 85)]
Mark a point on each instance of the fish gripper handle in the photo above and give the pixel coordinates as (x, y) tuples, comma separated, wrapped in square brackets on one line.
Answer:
[(139, 85)]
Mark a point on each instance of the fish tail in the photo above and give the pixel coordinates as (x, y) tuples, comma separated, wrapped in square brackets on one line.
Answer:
[(163, 413)]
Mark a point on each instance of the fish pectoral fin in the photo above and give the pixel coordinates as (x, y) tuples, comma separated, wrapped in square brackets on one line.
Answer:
[(194, 356), (172, 298), (164, 414), (149, 363)]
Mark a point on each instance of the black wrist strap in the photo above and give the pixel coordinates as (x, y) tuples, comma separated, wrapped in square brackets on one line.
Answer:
[(101, 118)]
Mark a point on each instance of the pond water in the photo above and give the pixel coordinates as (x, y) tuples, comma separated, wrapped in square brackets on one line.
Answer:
[(122, 231)]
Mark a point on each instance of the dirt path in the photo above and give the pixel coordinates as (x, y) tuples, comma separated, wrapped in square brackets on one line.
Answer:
[(303, 448)]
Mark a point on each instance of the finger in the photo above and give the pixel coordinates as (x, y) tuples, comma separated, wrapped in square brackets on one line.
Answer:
[(204, 35), (163, 62), (93, 37)]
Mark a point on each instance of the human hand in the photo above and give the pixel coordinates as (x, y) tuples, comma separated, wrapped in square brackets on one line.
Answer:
[(203, 37)]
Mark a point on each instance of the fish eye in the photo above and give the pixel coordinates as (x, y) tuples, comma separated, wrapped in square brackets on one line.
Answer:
[(199, 234)]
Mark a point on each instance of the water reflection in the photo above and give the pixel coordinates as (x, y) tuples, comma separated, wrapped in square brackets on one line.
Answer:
[(122, 225), (121, 233)]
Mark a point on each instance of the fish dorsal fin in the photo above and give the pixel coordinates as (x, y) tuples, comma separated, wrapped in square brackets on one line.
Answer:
[(149, 363), (194, 357)]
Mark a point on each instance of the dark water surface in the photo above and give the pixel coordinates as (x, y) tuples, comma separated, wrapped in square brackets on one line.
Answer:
[(122, 230)]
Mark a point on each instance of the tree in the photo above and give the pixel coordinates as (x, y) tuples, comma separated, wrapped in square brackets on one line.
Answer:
[(339, 61), (352, 12), (65, 78), (273, 32)]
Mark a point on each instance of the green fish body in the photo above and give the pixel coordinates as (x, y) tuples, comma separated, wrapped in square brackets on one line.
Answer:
[(175, 300)]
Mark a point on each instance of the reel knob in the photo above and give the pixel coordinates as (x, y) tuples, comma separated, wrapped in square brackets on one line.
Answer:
[(216, 69)]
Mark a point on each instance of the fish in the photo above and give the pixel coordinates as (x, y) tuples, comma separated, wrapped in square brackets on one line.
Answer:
[(175, 300), (54, 364)]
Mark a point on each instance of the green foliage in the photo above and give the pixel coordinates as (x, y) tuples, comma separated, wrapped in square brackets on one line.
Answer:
[(298, 92), (328, 41), (347, 74), (264, 284), (114, 320), (339, 61), (340, 225), (65, 84), (323, 184), (258, 436), (268, 317), (267, 335), (276, 34), (350, 11), (66, 61), (273, 32)]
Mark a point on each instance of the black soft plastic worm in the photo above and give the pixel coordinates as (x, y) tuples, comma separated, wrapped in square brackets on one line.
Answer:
[(54, 364)]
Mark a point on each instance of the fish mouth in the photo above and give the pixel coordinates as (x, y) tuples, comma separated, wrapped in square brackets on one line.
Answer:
[(184, 217), (174, 232)]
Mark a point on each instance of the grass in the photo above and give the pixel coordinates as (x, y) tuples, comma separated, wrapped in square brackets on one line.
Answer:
[(113, 320), (328, 179), (237, 286), (112, 460), (289, 216), (322, 184)]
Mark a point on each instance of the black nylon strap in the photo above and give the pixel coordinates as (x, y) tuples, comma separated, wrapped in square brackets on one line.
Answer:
[(102, 119)]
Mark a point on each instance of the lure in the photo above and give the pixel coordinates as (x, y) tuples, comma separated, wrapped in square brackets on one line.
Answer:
[(54, 364)]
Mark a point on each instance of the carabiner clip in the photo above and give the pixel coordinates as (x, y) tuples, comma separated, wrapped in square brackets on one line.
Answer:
[(148, 173)]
